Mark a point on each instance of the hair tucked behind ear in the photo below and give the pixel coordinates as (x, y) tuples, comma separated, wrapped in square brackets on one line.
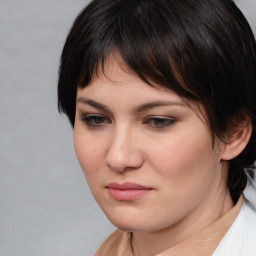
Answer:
[(241, 167), (237, 179)]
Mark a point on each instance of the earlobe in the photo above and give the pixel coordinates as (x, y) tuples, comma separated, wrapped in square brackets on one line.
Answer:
[(239, 136)]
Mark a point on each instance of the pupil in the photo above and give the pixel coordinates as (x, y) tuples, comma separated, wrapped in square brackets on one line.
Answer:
[(159, 121), (98, 119)]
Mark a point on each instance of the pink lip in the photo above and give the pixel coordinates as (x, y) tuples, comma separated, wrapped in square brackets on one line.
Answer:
[(127, 191)]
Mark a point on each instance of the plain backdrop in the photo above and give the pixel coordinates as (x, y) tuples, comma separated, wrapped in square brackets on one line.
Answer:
[(45, 205)]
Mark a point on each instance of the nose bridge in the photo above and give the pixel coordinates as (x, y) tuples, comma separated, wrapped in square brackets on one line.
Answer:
[(123, 152)]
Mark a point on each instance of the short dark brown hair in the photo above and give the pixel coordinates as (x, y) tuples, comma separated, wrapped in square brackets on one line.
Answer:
[(203, 50)]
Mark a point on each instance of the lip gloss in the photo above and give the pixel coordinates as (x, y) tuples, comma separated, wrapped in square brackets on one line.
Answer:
[(127, 191)]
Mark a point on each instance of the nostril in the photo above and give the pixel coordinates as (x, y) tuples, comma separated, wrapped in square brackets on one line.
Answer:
[(124, 162)]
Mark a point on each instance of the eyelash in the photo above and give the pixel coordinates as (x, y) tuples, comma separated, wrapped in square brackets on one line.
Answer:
[(95, 120), (98, 121), (164, 122)]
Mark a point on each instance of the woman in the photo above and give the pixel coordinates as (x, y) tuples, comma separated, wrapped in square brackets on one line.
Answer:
[(162, 98)]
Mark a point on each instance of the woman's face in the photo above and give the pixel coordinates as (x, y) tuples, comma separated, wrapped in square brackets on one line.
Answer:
[(146, 154)]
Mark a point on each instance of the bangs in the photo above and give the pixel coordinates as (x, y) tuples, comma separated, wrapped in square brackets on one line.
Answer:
[(183, 46), (145, 40)]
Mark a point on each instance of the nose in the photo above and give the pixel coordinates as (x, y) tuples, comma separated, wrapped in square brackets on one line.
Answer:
[(123, 152)]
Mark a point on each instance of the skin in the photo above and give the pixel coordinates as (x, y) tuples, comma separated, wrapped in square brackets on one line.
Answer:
[(166, 148)]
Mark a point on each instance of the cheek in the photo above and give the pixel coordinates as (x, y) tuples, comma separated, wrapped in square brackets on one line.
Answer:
[(183, 159), (89, 153), (184, 171)]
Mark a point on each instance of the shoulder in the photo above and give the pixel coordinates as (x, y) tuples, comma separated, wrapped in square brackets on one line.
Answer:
[(241, 237), (118, 243)]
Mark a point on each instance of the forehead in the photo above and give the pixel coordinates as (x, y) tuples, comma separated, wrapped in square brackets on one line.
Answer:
[(113, 71), (118, 83), (119, 80)]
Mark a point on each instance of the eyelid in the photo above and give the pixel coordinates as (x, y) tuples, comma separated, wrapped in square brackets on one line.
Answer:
[(87, 118), (169, 121), (160, 117)]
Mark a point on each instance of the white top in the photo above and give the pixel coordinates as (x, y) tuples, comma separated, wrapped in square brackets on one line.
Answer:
[(240, 239)]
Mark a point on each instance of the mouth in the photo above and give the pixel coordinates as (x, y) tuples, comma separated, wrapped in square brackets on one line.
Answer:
[(127, 191)]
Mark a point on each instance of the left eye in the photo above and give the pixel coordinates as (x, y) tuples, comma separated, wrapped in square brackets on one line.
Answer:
[(159, 122), (95, 120)]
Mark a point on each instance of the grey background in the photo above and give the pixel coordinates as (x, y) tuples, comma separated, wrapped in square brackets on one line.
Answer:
[(45, 204)]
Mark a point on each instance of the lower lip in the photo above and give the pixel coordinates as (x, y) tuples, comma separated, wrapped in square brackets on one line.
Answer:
[(127, 195)]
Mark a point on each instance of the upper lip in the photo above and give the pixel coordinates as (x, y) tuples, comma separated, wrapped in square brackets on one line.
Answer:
[(126, 186)]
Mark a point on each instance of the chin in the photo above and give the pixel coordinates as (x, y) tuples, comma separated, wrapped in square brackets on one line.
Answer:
[(129, 221), (131, 227)]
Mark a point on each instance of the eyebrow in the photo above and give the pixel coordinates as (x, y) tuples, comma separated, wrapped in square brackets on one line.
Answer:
[(140, 108), (155, 104), (92, 103)]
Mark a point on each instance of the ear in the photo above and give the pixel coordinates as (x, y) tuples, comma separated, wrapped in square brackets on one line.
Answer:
[(239, 136)]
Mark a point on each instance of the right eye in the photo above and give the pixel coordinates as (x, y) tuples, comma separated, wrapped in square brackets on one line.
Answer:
[(95, 120)]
